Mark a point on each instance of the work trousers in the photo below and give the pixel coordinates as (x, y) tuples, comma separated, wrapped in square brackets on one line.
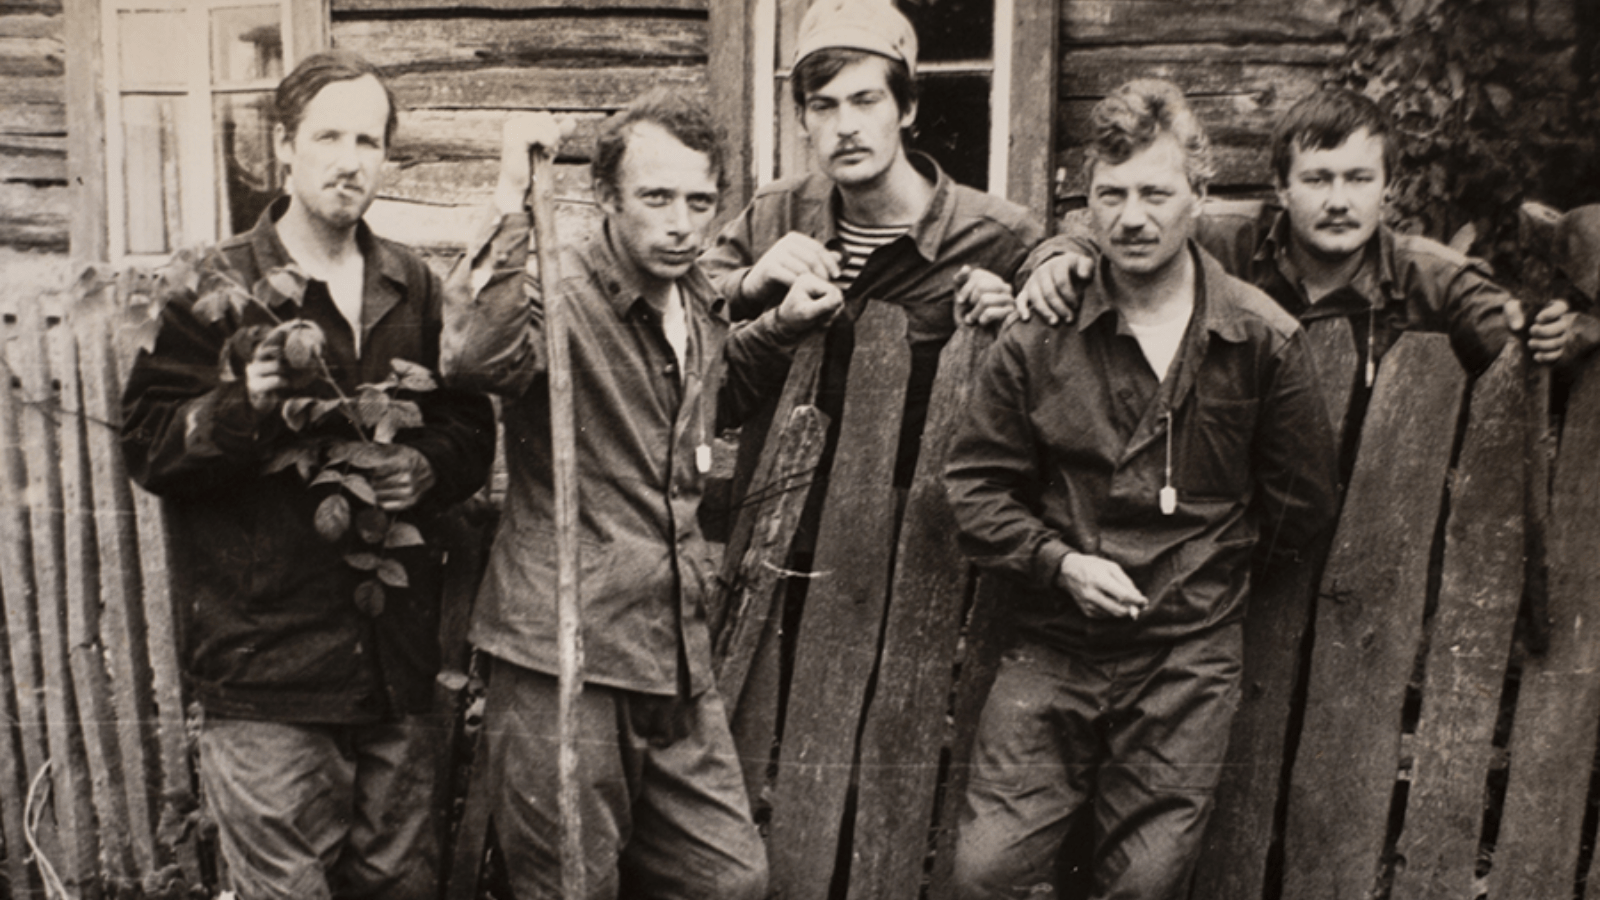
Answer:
[(663, 804), (313, 812), (1135, 740)]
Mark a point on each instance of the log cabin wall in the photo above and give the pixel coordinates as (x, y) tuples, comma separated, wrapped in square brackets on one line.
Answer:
[(33, 148), (457, 71)]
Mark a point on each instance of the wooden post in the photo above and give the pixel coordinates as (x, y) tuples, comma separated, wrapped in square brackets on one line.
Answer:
[(563, 442)]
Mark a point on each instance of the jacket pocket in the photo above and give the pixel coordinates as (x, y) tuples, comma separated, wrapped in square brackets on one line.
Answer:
[(1214, 449)]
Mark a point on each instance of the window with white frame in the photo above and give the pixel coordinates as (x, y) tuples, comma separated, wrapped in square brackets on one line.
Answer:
[(188, 87)]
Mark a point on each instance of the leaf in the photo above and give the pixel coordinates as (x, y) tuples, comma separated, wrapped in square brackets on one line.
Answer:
[(413, 377), (324, 408), (302, 343), (393, 574), (287, 284), (297, 412), (367, 456), (399, 415), (366, 562), (328, 476), (402, 534), (359, 486), (369, 598), (332, 518), (372, 525), (301, 456), (371, 403)]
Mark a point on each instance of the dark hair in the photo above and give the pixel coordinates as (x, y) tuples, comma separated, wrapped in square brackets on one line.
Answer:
[(1326, 119), (685, 117), (814, 72), (316, 72), (1130, 119)]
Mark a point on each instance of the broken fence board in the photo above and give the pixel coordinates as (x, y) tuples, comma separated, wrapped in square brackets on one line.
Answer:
[(1239, 838), (800, 446), (1469, 644), (905, 727), (1369, 625), (71, 800), (1558, 703), (122, 624), (982, 642), (836, 650)]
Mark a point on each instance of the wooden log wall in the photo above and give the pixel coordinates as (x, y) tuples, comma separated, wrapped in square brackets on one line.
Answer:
[(457, 71)]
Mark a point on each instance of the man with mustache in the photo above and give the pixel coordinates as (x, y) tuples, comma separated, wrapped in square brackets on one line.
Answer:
[(1325, 252), (1118, 475), (663, 802), (875, 219), (317, 747)]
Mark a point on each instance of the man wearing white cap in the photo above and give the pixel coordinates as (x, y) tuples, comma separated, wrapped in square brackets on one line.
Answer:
[(876, 220)]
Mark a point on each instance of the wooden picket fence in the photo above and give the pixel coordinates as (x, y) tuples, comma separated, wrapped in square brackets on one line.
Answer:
[(1399, 737)]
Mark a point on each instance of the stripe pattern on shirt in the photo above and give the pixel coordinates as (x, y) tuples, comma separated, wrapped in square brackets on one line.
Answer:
[(859, 241)]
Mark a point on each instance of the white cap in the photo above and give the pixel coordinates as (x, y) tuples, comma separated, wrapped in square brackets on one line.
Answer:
[(874, 26)]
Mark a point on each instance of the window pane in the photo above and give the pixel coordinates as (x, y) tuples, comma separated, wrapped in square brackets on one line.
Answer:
[(248, 175), (151, 48), (949, 30), (246, 44), (953, 125), (150, 173)]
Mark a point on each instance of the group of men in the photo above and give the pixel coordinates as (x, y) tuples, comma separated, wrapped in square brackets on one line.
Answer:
[(1145, 426)]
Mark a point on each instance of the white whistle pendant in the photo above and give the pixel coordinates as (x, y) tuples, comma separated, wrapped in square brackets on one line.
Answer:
[(1169, 500), (702, 458)]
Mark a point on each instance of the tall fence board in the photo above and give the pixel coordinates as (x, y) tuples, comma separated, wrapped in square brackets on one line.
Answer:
[(838, 644), (1369, 625)]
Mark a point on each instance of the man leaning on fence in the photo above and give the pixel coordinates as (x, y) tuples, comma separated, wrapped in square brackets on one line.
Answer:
[(1323, 251), (303, 525), (663, 807), (876, 219), (1119, 475)]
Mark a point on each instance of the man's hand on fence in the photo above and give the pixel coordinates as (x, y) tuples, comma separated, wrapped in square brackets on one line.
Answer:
[(810, 303), (1100, 587), (1558, 336), (794, 255)]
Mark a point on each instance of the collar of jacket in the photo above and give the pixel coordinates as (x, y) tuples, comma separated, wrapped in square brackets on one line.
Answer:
[(624, 284), (1212, 297), (383, 279), (1374, 283), (819, 199)]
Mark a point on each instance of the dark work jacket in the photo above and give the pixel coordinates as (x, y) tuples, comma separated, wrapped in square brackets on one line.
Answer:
[(644, 430), (1064, 448), (270, 628)]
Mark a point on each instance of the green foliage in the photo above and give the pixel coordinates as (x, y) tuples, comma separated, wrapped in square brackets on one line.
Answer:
[(1493, 108)]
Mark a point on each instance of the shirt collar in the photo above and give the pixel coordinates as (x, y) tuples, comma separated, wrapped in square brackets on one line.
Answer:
[(624, 285), (379, 259), (1211, 298), (1374, 283), (820, 207)]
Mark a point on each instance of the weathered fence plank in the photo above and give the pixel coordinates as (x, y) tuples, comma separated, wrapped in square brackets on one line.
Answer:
[(466, 42), (836, 650), (122, 623), (85, 660), (582, 90), (1470, 642), (983, 640), (18, 593), (1239, 838), (71, 798), (905, 726), (1558, 703), (1369, 623)]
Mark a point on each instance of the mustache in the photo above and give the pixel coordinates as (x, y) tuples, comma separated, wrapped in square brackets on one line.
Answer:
[(850, 147)]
